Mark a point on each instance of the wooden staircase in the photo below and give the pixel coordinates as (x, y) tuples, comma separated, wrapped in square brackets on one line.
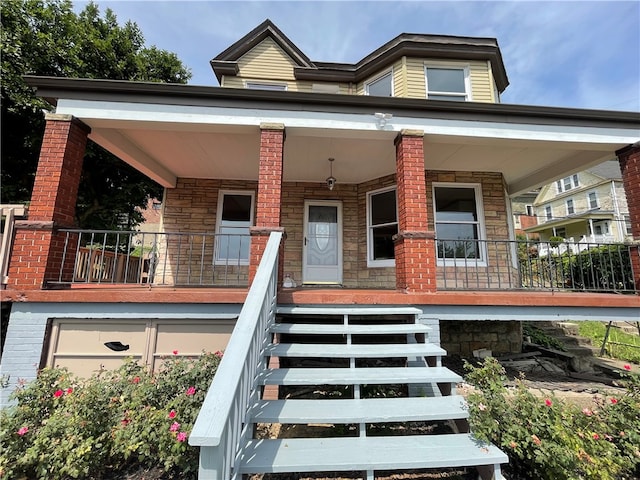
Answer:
[(380, 371)]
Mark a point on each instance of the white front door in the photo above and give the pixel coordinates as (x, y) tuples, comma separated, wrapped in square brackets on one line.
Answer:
[(322, 247)]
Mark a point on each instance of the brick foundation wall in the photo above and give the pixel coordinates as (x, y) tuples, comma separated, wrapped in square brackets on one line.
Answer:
[(463, 337)]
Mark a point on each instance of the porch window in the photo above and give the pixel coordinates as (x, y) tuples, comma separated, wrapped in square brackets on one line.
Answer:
[(570, 209), (381, 86), (235, 216), (592, 199), (458, 219), (382, 225), (447, 83)]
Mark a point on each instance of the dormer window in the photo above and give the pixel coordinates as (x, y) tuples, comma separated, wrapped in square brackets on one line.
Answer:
[(280, 87), (567, 183), (381, 86), (448, 83)]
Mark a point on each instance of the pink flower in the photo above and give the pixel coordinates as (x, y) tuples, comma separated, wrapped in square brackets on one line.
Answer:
[(596, 436), (175, 426), (219, 354), (172, 414), (191, 390), (175, 352), (587, 412), (23, 430), (58, 393), (614, 400), (536, 440), (69, 391), (136, 380), (125, 422), (627, 366), (513, 444), (548, 402), (482, 407), (181, 437)]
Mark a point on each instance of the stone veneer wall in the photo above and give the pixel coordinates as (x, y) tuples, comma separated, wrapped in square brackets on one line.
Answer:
[(192, 207), (463, 337)]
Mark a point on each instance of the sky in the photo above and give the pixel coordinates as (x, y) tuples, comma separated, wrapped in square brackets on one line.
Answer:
[(581, 54)]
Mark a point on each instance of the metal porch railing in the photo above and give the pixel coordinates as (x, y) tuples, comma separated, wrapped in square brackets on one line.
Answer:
[(535, 265), (167, 258), (222, 424)]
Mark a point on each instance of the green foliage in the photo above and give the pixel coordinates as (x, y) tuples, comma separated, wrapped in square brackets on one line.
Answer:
[(47, 38), (620, 345), (65, 427), (540, 337), (549, 438), (607, 267)]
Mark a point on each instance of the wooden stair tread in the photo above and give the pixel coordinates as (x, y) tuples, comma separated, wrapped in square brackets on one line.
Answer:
[(367, 453), (372, 410), (370, 329), (357, 376), (353, 351)]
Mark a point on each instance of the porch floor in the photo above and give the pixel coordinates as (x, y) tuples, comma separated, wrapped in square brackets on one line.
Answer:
[(311, 296)]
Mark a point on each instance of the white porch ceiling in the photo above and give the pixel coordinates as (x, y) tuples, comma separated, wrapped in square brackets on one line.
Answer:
[(167, 142)]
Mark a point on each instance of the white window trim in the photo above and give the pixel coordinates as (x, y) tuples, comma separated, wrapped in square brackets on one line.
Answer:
[(548, 213), (468, 97), (256, 84), (380, 77), (221, 194), (370, 261), (573, 180), (589, 200), (482, 234)]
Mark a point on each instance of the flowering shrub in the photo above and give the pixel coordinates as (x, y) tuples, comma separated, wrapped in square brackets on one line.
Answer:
[(64, 427), (549, 438)]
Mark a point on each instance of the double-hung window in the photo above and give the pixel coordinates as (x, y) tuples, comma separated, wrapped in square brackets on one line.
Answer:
[(548, 213), (458, 219), (235, 216), (382, 225), (567, 183), (381, 86), (592, 200), (448, 83), (570, 209)]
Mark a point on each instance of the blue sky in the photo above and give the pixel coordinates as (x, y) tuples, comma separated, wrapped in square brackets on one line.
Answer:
[(582, 54)]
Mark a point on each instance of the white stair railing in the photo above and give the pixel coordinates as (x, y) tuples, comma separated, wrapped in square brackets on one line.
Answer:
[(9, 212), (222, 423)]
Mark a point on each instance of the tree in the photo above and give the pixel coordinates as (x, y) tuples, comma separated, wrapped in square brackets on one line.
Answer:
[(46, 37)]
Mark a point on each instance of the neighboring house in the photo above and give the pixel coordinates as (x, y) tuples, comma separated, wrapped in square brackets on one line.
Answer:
[(380, 189), (523, 212), (588, 206)]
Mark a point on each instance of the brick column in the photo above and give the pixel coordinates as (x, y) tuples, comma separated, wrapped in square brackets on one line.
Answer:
[(414, 244), (629, 158), (36, 256), (268, 207)]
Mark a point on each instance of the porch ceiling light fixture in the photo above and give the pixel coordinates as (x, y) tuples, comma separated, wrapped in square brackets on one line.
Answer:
[(382, 118), (331, 180)]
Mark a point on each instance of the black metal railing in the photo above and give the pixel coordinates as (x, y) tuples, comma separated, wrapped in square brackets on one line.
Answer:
[(178, 259), (534, 265)]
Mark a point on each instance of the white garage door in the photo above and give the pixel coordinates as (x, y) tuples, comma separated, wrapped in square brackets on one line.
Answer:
[(79, 344)]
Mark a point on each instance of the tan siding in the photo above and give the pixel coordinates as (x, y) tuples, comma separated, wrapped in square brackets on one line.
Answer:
[(266, 61), (481, 82), (416, 87), (399, 83)]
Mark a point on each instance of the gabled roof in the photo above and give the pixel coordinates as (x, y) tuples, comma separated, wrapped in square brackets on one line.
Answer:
[(405, 44)]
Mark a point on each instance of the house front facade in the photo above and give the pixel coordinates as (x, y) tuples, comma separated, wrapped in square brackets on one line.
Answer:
[(391, 180)]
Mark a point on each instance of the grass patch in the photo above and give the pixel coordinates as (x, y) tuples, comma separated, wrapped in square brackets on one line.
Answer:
[(596, 331)]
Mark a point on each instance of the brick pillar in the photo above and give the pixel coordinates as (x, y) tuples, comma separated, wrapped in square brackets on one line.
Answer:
[(268, 207), (629, 158), (36, 256), (414, 244)]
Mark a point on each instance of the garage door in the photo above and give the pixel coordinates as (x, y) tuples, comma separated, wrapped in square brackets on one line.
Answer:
[(81, 344)]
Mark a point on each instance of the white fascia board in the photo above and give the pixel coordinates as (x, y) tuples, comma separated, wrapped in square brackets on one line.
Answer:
[(305, 119)]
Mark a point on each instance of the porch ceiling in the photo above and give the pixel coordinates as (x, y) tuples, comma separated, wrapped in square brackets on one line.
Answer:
[(169, 151)]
